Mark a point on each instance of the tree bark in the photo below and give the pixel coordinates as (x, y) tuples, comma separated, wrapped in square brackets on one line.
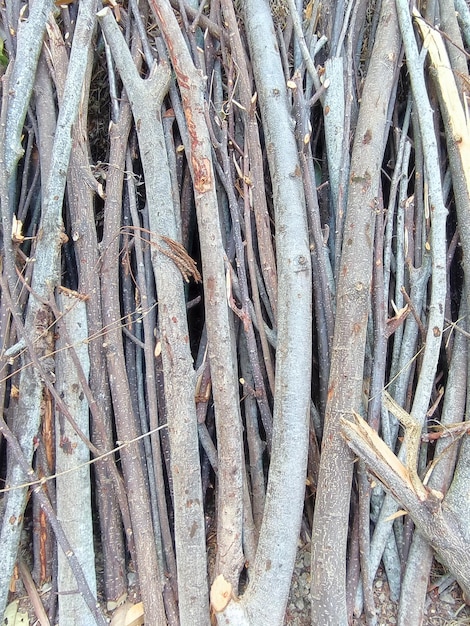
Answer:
[(179, 378), (218, 315), (73, 480), (345, 387), (45, 279)]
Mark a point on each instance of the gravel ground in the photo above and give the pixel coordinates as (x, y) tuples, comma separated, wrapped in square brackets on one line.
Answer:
[(444, 605)]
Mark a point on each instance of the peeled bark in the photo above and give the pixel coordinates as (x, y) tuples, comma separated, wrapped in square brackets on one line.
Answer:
[(435, 519)]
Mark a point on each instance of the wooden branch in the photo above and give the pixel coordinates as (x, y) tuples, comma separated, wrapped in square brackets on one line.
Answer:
[(28, 48), (45, 278), (73, 491), (345, 385), (366, 443), (146, 98), (436, 521), (218, 315), (56, 526)]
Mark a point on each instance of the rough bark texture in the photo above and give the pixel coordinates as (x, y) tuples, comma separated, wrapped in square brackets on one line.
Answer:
[(178, 372), (296, 160), (127, 430), (218, 315), (73, 487), (345, 388)]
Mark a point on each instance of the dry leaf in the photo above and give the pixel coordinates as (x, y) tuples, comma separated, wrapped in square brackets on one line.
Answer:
[(129, 614), (221, 593), (14, 616), (17, 230), (112, 605), (396, 515)]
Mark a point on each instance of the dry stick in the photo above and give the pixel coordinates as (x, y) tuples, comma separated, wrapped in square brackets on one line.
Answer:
[(203, 21), (400, 172), (463, 15), (255, 158), (436, 521), (321, 290), (51, 516), (438, 219), (30, 173), (455, 118), (363, 514), (379, 312), (146, 97), (419, 560), (149, 324), (8, 256), (46, 275), (218, 316), (254, 282), (126, 423), (96, 410), (73, 490), (34, 596), (400, 262), (337, 126), (354, 563), (83, 229), (330, 525), (455, 46), (29, 44), (254, 442)]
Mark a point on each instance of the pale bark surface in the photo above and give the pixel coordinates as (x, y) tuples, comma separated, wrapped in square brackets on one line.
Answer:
[(73, 485), (345, 387)]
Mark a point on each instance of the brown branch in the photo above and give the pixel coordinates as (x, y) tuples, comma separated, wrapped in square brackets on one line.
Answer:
[(54, 522)]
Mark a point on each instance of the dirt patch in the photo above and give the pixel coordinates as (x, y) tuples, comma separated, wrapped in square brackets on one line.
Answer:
[(444, 603)]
